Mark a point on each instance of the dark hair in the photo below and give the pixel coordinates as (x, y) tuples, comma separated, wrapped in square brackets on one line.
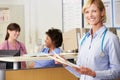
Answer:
[(56, 36), (12, 27)]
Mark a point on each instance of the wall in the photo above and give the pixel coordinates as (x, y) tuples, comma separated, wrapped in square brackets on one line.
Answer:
[(35, 18), (16, 15), (15, 2), (72, 14), (40, 15)]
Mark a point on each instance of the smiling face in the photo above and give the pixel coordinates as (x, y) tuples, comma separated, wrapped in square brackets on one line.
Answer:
[(93, 15), (13, 34), (48, 41)]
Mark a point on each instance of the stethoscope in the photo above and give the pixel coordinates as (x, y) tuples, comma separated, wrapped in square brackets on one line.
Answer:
[(103, 38)]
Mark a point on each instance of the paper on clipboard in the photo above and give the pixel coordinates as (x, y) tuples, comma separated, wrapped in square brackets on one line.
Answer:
[(63, 61)]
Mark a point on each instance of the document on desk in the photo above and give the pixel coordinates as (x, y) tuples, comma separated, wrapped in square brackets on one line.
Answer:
[(62, 60)]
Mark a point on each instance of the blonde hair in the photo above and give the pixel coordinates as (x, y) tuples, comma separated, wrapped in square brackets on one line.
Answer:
[(100, 6)]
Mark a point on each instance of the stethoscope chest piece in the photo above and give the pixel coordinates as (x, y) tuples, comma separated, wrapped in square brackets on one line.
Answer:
[(102, 54)]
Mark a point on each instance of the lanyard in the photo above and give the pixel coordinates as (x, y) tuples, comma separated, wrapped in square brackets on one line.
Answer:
[(88, 34), (17, 42)]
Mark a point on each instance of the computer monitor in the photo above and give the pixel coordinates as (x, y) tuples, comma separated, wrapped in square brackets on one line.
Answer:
[(9, 53)]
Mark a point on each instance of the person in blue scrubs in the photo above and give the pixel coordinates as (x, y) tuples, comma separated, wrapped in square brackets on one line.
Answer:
[(99, 51), (53, 41)]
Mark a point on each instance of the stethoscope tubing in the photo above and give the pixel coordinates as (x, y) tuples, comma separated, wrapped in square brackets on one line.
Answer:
[(88, 34)]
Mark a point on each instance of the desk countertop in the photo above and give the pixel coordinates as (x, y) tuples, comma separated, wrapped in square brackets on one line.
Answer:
[(33, 58)]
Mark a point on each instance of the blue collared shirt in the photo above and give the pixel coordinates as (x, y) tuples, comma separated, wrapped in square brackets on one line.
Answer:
[(47, 63), (106, 64)]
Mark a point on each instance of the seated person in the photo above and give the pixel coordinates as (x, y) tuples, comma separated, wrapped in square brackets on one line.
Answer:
[(11, 42), (53, 41)]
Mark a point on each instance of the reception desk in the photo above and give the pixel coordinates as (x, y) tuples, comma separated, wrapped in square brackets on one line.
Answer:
[(17, 59), (58, 73)]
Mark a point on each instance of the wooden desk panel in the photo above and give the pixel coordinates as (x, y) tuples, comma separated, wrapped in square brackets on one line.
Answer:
[(40, 74)]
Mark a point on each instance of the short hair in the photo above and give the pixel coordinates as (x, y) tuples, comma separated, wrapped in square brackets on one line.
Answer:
[(56, 36), (12, 27), (100, 6)]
